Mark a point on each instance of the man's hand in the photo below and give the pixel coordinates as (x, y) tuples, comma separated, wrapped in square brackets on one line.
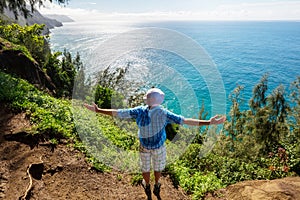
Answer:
[(217, 119), (92, 107)]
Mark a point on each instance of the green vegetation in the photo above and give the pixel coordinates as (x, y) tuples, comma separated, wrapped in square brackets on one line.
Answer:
[(108, 98), (59, 66), (29, 36), (50, 117), (113, 81), (11, 46), (235, 157), (62, 69), (259, 143)]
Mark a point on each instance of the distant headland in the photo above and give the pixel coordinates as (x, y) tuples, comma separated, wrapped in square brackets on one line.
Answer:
[(50, 21)]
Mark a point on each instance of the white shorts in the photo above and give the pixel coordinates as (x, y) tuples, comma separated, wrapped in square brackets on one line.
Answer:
[(158, 157)]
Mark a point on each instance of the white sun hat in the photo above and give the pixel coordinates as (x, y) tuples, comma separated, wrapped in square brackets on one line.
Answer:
[(154, 97)]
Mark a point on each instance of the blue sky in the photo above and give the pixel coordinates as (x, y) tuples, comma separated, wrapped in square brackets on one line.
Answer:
[(184, 9), (161, 5), (146, 5)]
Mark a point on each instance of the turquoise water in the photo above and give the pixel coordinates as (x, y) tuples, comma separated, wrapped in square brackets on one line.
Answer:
[(242, 52)]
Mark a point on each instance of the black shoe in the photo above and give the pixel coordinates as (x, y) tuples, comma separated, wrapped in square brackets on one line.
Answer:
[(147, 189), (156, 190)]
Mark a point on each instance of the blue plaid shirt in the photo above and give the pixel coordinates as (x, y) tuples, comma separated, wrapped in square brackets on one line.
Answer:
[(151, 123)]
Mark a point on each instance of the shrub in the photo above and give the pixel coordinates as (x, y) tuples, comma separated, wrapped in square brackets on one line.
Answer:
[(29, 36), (108, 98), (194, 181)]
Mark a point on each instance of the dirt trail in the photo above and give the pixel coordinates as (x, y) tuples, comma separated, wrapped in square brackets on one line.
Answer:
[(59, 173)]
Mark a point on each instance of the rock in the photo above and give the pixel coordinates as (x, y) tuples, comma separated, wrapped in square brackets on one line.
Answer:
[(283, 189)]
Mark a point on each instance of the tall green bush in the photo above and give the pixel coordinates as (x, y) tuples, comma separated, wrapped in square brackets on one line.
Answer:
[(108, 98), (63, 70)]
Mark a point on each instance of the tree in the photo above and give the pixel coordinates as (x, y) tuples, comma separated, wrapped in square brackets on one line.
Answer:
[(295, 112), (294, 121), (235, 126), (269, 115), (19, 7), (115, 79), (259, 99), (62, 69)]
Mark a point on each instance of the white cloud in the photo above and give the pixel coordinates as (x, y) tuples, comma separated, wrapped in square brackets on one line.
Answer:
[(282, 10), (52, 8)]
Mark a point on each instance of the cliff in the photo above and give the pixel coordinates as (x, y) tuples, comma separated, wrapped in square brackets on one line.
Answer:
[(60, 18), (35, 18)]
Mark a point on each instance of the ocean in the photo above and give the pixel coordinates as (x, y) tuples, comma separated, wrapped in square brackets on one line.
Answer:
[(241, 52)]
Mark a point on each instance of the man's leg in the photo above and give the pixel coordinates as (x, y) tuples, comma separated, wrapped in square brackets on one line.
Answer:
[(159, 163), (157, 176), (146, 176), (146, 184), (145, 157), (159, 157), (156, 190)]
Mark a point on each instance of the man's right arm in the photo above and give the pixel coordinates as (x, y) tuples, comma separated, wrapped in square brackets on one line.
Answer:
[(95, 108)]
